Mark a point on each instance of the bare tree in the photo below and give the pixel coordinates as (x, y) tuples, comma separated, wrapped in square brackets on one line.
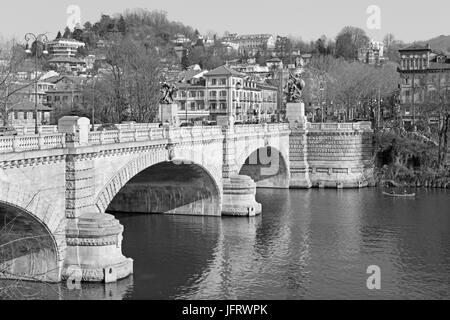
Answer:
[(12, 56)]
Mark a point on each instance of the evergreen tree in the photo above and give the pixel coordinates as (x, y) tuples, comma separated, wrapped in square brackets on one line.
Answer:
[(58, 36), (67, 33), (121, 25)]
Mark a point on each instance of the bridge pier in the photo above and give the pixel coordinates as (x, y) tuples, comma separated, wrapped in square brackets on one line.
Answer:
[(94, 250), (239, 197)]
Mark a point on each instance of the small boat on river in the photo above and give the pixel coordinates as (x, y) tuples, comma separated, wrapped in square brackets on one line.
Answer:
[(401, 195)]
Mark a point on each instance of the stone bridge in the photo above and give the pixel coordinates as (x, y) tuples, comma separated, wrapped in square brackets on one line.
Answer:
[(56, 187)]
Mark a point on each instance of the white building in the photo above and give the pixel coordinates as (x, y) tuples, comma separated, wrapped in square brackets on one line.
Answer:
[(64, 47)]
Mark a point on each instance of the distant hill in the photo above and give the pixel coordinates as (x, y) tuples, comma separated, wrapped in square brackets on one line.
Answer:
[(440, 43)]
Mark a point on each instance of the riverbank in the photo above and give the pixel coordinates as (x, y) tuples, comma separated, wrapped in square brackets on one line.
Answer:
[(405, 162)]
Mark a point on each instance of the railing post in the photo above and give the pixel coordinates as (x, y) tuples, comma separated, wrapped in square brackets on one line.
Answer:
[(150, 134), (135, 134), (15, 143), (41, 142), (102, 137)]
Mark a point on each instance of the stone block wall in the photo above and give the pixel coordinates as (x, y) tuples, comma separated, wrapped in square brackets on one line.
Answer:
[(332, 159)]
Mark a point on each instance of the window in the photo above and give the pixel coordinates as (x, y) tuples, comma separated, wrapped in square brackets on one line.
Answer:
[(213, 106), (183, 106), (192, 94), (192, 106), (25, 115), (213, 94), (223, 106), (223, 81), (183, 94), (201, 94), (65, 98), (213, 82), (223, 94), (16, 115)]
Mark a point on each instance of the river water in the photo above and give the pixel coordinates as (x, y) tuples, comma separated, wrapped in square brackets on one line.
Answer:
[(307, 244)]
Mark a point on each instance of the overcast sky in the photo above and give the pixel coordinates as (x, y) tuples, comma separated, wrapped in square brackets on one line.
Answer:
[(407, 20)]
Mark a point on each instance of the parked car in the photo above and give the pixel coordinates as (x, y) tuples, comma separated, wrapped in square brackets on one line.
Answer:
[(187, 124), (238, 122), (8, 131), (107, 127)]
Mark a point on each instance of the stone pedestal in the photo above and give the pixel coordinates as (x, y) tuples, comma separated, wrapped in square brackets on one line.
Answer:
[(295, 114), (94, 250), (239, 197), (168, 113), (77, 130)]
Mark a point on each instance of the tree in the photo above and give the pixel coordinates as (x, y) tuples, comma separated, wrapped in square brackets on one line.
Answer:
[(67, 33), (78, 34), (58, 36), (130, 87), (13, 56), (349, 41), (122, 25)]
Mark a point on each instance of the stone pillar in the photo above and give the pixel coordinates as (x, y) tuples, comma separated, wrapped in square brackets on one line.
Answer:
[(295, 114), (169, 113), (298, 158), (76, 130), (239, 197), (94, 250), (238, 191)]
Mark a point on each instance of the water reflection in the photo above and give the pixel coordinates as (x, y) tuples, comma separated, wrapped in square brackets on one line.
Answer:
[(307, 244)]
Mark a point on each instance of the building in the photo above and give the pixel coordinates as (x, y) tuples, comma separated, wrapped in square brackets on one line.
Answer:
[(425, 81), (252, 43), (207, 95), (70, 65), (23, 114), (66, 94), (372, 54), (64, 47)]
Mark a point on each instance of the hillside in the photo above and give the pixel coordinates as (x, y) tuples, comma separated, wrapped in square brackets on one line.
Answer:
[(440, 43)]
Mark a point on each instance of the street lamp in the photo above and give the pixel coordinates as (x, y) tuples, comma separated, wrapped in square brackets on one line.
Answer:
[(36, 39), (233, 113), (321, 89)]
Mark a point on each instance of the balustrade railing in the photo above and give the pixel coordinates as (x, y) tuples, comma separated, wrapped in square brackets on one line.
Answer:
[(21, 143), (338, 126), (139, 132)]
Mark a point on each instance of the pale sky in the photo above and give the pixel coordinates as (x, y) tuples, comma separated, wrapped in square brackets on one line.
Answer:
[(407, 20)]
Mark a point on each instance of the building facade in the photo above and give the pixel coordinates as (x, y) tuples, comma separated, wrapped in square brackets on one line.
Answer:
[(222, 91), (425, 82), (64, 47), (372, 54)]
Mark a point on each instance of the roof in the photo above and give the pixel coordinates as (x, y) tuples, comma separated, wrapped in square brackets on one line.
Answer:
[(416, 47), (224, 71), (27, 105)]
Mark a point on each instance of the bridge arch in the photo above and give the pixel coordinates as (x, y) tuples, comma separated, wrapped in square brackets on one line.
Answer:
[(151, 184), (32, 237), (266, 164)]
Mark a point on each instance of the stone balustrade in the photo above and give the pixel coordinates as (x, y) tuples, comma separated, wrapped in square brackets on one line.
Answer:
[(338, 126), (31, 142)]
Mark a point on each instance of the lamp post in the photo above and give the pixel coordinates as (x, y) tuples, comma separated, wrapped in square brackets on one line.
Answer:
[(36, 39), (232, 114), (321, 89)]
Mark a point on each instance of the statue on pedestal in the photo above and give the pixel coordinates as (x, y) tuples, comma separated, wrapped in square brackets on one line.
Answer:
[(167, 92), (295, 84)]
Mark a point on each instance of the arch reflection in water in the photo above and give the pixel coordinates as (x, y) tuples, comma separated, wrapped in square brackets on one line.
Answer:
[(168, 187), (27, 248)]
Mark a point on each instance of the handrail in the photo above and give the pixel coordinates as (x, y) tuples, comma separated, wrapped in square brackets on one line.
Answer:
[(32, 142)]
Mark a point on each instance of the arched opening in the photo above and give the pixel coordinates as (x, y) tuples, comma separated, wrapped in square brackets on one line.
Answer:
[(267, 167), (27, 248), (169, 187)]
